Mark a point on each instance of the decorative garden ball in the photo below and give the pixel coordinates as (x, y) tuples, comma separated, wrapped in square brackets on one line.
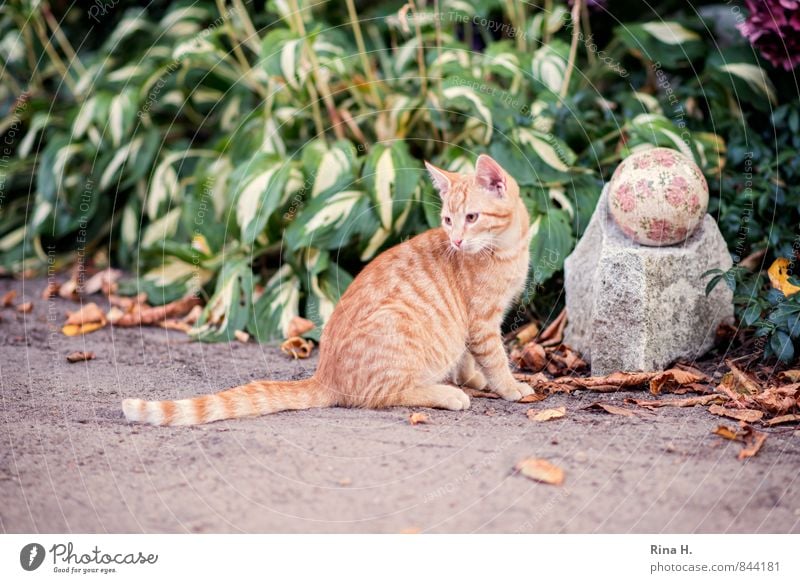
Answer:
[(658, 197)]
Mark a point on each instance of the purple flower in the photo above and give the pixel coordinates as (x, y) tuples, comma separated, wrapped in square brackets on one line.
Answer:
[(773, 27)]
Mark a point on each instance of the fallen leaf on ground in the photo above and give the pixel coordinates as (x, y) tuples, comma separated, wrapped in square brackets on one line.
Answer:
[(177, 325), (8, 298), (69, 289), (541, 471), (25, 308), (418, 417), (126, 303), (747, 415), (615, 379), (241, 336), (613, 409), (792, 376), (50, 290), (114, 314), (753, 441), (527, 333), (533, 398), (743, 383), (146, 315), (688, 402), (675, 378), (88, 319), (104, 281), (531, 356), (88, 314), (80, 356), (478, 394), (297, 347), (779, 400), (779, 276), (546, 414), (726, 432), (783, 419), (554, 333), (193, 315), (299, 326)]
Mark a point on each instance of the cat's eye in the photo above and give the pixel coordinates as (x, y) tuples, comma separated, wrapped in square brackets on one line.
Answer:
[(447, 221), (472, 217)]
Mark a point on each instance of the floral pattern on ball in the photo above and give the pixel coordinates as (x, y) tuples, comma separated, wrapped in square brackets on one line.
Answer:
[(658, 197)]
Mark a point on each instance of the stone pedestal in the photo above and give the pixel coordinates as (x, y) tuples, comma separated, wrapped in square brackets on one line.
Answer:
[(631, 307)]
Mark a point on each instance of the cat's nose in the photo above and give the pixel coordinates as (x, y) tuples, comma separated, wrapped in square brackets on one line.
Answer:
[(457, 242)]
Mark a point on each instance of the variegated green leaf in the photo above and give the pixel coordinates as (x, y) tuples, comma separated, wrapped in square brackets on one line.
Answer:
[(228, 309), (276, 307)]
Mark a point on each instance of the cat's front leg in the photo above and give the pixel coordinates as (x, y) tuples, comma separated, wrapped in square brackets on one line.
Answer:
[(490, 355)]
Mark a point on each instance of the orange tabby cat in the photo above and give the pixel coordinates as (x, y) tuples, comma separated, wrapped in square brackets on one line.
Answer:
[(423, 313)]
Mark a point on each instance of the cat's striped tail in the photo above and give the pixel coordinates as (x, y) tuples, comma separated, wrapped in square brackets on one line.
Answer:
[(256, 398)]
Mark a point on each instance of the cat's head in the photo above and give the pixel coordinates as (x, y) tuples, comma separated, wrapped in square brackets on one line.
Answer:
[(481, 210)]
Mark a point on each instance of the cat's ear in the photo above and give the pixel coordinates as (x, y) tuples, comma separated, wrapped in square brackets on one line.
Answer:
[(439, 177), (490, 175)]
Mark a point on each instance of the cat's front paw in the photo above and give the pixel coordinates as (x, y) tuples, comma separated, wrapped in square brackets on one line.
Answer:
[(515, 391)]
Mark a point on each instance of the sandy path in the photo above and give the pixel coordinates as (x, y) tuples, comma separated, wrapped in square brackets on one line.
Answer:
[(70, 463)]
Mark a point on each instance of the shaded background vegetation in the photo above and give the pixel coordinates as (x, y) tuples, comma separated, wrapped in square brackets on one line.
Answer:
[(261, 153)]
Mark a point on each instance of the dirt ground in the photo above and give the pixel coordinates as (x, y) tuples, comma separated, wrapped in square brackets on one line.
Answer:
[(69, 463)]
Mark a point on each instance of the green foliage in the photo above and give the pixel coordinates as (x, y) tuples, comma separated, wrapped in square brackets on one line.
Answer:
[(261, 158)]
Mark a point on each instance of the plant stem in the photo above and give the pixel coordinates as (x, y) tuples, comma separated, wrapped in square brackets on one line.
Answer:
[(573, 49), (362, 52), (51, 52), (62, 39), (252, 35), (322, 84), (247, 70)]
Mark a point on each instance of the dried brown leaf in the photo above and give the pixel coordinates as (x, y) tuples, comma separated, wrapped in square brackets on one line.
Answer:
[(554, 333), (297, 347), (783, 419), (727, 433), (540, 470), (793, 376), (418, 417), (299, 326), (688, 402), (613, 409), (80, 356), (533, 398), (546, 414), (127, 303), (88, 314), (193, 315), (8, 298), (50, 290), (746, 415), (753, 441), (76, 329), (673, 379), (141, 315), (779, 400), (615, 379), (114, 314), (172, 324), (743, 383), (531, 357), (527, 333), (105, 281)]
